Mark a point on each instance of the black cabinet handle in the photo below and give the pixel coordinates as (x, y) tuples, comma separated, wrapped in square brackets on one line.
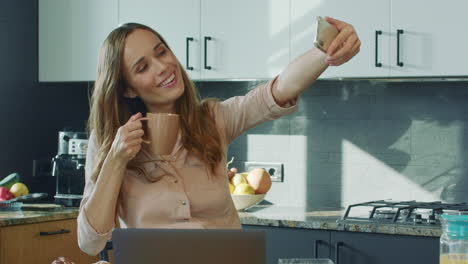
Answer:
[(377, 33), (337, 251), (206, 66), (61, 231), (187, 54), (399, 32), (316, 243)]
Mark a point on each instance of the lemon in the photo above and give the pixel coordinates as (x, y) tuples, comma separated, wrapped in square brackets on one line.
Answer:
[(19, 189), (231, 188), (244, 188), (238, 179)]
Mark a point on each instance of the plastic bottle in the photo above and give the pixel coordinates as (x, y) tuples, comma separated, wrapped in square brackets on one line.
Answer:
[(454, 238)]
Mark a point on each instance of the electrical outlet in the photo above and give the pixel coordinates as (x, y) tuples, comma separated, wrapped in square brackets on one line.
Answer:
[(274, 169)]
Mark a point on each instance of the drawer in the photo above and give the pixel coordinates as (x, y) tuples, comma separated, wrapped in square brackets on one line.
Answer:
[(41, 243)]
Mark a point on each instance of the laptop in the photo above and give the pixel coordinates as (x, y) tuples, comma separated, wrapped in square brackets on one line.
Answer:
[(188, 246)]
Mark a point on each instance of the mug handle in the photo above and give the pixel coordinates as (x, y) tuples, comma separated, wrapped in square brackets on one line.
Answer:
[(145, 119)]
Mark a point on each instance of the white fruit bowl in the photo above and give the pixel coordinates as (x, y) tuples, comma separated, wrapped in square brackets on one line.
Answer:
[(242, 201)]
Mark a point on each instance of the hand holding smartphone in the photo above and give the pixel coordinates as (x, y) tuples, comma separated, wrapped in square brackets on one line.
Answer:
[(324, 35)]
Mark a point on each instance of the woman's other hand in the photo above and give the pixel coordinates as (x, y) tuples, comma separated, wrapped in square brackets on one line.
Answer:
[(127, 141), (346, 44)]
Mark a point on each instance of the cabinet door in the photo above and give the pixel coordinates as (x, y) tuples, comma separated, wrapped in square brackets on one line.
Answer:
[(249, 39), (25, 243), (70, 37), (367, 17), (362, 248), (293, 243), (434, 39), (175, 20)]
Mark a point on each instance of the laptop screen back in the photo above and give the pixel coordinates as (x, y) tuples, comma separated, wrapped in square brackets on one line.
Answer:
[(182, 246)]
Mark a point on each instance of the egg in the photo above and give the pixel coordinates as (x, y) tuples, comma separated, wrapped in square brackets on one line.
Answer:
[(260, 180)]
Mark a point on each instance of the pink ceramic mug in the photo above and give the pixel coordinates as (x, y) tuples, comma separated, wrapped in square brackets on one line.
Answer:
[(161, 132)]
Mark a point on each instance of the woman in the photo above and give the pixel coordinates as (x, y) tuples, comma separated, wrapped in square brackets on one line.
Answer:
[(127, 185)]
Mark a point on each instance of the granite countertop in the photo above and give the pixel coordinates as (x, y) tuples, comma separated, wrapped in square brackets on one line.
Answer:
[(326, 219), (36, 213), (262, 215)]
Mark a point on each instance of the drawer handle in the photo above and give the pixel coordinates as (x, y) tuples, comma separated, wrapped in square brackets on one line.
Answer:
[(61, 231)]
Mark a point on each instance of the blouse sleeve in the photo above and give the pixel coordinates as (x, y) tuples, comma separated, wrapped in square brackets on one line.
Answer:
[(240, 113), (89, 240)]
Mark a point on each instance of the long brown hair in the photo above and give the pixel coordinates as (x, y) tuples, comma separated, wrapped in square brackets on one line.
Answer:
[(110, 109)]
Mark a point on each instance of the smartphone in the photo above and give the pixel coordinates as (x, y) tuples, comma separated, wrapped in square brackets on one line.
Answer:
[(324, 35)]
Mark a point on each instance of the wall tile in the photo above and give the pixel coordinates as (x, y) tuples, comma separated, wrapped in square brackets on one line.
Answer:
[(387, 136), (3, 11), (336, 107), (435, 137), (403, 107), (354, 139), (328, 135), (418, 89), (322, 196)]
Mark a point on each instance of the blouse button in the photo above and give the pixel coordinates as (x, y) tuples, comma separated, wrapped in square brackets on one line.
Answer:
[(184, 202), (176, 181)]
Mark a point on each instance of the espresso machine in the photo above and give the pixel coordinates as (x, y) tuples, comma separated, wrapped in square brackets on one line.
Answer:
[(68, 167)]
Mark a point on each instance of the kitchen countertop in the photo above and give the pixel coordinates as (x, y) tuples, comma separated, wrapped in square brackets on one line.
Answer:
[(262, 215), (326, 219), (37, 213)]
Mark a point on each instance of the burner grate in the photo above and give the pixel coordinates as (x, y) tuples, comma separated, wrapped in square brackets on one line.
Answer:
[(403, 210)]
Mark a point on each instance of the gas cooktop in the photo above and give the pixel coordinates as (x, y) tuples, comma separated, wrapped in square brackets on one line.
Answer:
[(400, 212)]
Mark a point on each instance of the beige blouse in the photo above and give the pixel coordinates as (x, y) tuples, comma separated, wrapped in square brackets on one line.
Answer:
[(178, 190)]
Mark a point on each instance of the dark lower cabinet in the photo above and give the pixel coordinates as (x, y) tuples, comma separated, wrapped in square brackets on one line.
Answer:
[(348, 247), (367, 248), (294, 243)]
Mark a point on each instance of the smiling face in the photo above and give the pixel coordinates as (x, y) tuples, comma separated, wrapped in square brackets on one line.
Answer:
[(151, 71)]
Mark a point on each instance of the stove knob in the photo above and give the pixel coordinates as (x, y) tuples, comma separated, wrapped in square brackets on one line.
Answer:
[(431, 220), (418, 219)]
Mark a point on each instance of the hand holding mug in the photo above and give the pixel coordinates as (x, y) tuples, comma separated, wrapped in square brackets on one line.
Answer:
[(127, 141)]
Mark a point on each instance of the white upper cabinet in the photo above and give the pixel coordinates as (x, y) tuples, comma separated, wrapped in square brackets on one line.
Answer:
[(245, 39), (434, 39), (367, 17), (431, 39), (249, 39), (70, 35), (178, 22), (228, 39)]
